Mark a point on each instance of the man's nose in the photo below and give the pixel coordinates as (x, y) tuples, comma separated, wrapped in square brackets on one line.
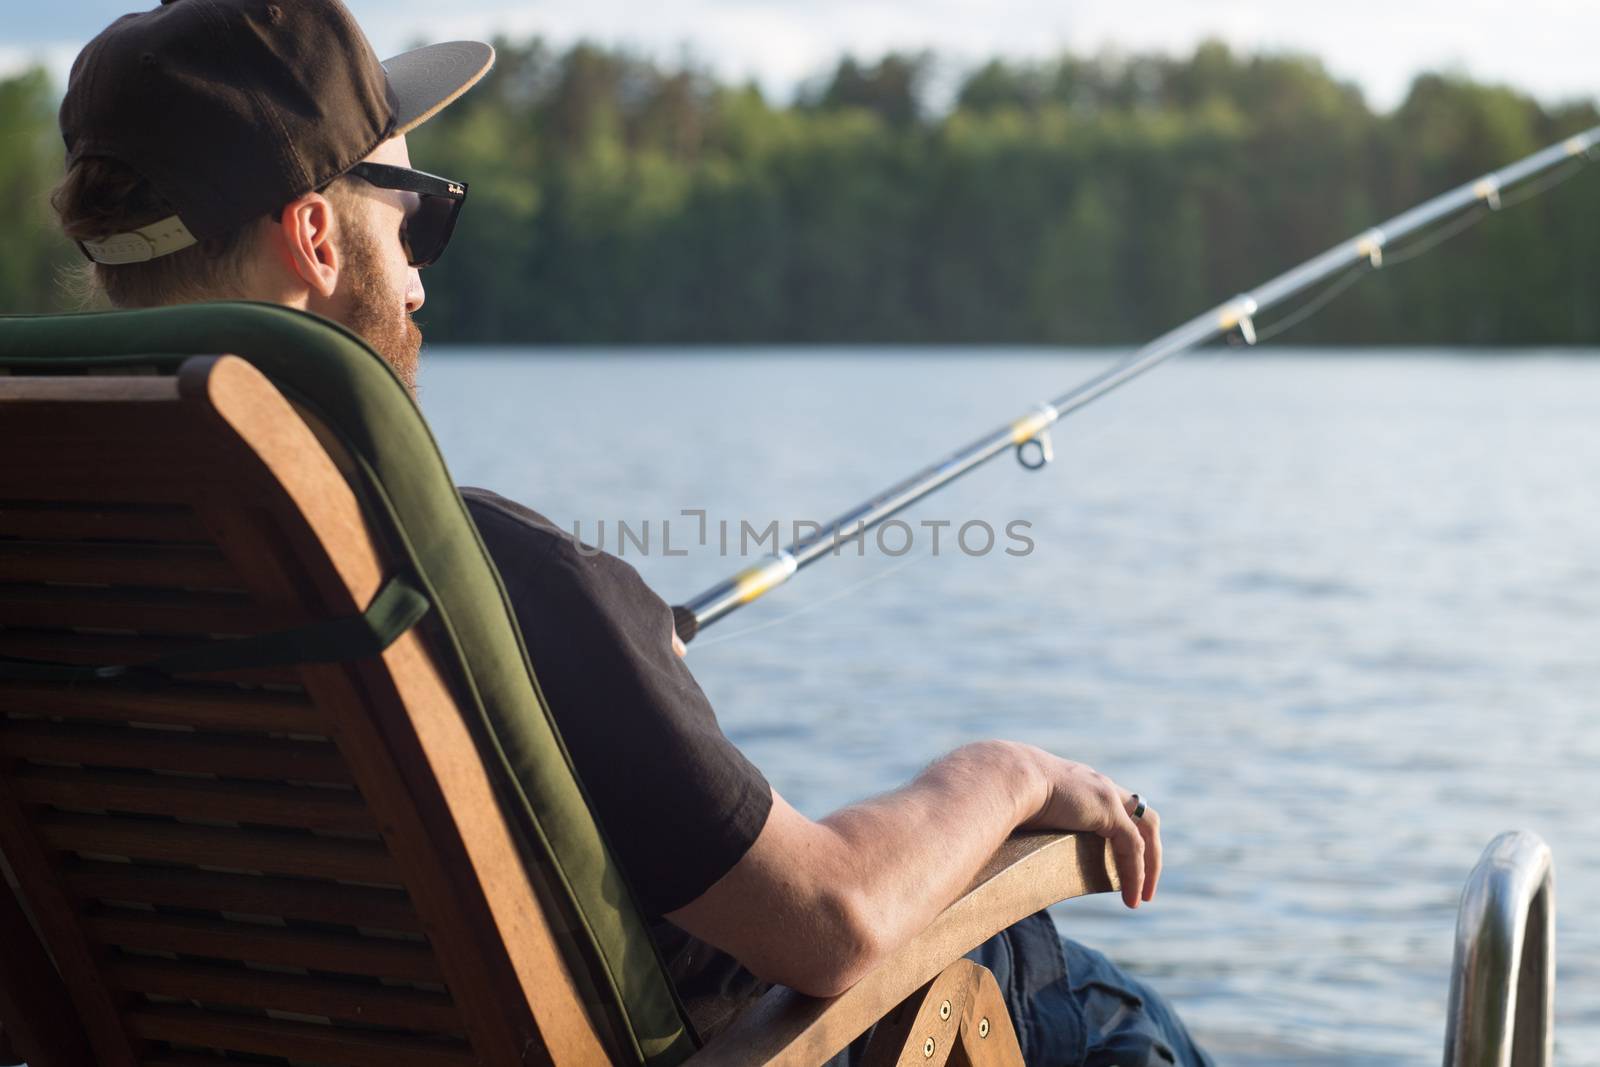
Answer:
[(414, 293)]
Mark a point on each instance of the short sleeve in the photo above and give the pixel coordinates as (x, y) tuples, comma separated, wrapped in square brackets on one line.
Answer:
[(679, 804)]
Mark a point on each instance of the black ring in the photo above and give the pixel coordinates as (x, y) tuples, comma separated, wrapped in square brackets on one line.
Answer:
[(1138, 807)]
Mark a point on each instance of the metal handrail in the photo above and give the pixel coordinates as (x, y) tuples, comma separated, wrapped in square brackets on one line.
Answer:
[(1502, 984)]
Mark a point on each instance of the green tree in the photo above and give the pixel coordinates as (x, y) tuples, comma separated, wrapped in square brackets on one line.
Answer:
[(1080, 199), (30, 163)]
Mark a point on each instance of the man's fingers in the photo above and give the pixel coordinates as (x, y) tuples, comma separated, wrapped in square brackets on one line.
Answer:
[(1127, 846), (1150, 827), (1090, 800)]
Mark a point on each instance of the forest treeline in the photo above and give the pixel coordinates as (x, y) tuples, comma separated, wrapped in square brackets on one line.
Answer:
[(1084, 200)]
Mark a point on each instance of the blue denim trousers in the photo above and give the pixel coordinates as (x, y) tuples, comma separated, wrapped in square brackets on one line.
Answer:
[(1072, 1007)]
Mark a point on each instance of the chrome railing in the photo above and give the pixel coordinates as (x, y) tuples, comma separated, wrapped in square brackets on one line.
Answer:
[(1502, 985)]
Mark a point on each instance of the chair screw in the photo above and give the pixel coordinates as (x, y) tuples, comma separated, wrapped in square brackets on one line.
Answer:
[(944, 1010), (983, 1027), (927, 1049)]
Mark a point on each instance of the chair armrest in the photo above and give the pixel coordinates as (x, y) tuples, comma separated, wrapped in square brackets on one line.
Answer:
[(1029, 872)]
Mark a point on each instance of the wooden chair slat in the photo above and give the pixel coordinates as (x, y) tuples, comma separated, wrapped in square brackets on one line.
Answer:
[(158, 456), (226, 847), (214, 707), (295, 1040), (57, 481), (224, 940), (155, 566), (309, 807), (50, 607), (289, 898), (172, 750), (79, 475), (56, 646), (60, 397), (174, 1058), (101, 522), (363, 1002)]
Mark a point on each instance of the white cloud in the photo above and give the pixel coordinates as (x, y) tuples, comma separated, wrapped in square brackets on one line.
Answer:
[(1543, 46), (55, 56)]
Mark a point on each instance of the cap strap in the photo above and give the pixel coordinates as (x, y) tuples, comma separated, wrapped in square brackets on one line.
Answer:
[(147, 242)]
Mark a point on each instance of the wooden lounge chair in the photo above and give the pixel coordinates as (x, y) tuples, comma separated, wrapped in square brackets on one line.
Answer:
[(325, 818)]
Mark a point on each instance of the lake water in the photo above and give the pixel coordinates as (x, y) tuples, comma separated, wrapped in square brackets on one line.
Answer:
[(1335, 615)]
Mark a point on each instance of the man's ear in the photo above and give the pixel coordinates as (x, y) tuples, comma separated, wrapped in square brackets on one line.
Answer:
[(309, 242)]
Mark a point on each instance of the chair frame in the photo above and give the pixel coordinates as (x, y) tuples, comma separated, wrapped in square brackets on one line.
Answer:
[(254, 480)]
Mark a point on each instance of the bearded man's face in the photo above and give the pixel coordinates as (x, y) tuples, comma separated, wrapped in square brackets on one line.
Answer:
[(377, 289), (376, 308)]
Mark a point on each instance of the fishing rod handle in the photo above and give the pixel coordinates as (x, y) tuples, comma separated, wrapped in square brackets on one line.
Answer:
[(684, 624)]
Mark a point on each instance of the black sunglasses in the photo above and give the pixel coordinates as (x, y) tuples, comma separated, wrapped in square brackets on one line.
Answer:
[(428, 225)]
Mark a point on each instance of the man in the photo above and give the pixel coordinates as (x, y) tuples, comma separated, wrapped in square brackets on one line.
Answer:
[(255, 149)]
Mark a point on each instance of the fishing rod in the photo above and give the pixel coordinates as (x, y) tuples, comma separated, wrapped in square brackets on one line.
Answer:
[(1028, 436)]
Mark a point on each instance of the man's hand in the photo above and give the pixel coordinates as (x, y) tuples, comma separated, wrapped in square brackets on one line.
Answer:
[(1078, 797), (815, 904)]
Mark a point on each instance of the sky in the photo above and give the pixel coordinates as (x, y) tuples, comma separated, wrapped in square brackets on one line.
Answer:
[(1545, 47)]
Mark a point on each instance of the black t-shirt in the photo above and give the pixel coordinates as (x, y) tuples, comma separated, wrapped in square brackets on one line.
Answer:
[(678, 802)]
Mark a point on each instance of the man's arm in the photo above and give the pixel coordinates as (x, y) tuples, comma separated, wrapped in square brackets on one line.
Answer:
[(815, 905)]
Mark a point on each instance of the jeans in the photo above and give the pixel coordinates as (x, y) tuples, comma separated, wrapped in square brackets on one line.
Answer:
[(1072, 1007)]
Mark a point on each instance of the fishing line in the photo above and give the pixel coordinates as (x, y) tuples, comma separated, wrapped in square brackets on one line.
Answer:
[(1328, 295), (840, 594), (1322, 299), (1337, 288), (1545, 184), (852, 588), (1421, 246), (1326, 275), (1434, 238), (900, 565)]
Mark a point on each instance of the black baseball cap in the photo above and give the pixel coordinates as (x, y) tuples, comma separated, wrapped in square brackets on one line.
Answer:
[(233, 108)]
